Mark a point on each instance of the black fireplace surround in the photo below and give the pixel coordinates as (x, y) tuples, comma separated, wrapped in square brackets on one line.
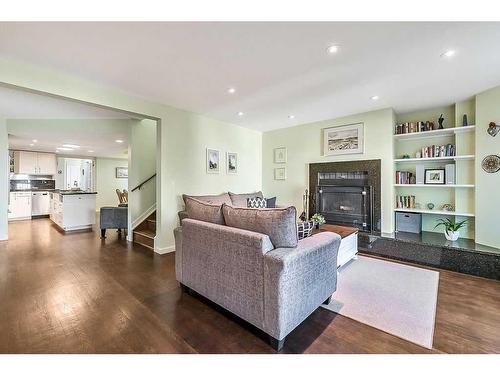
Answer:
[(346, 193)]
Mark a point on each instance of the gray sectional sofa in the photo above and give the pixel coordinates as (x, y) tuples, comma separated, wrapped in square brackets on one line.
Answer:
[(250, 262)]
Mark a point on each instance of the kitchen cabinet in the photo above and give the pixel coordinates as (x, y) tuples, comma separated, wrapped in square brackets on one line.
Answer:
[(20, 206), (73, 211), (28, 162)]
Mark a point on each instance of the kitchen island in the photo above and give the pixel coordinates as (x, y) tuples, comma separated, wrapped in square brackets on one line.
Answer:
[(73, 210)]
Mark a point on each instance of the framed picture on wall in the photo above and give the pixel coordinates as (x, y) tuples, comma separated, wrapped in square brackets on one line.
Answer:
[(121, 172), (280, 155), (232, 162), (213, 161), (280, 173), (341, 140)]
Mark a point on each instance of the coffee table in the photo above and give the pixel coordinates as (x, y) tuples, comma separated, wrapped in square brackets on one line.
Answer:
[(348, 245)]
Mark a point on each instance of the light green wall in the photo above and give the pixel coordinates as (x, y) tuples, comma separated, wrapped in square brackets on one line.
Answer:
[(142, 161), (487, 184), (4, 184), (106, 182), (182, 138), (304, 145)]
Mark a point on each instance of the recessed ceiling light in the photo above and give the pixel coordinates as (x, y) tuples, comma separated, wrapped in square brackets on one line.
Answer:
[(448, 53), (332, 49), (291, 117), (64, 149), (31, 144), (374, 97), (231, 90), (119, 141), (35, 140), (240, 114), (90, 150), (71, 146)]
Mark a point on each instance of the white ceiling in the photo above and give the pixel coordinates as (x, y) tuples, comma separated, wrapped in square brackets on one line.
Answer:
[(17, 104), (278, 69)]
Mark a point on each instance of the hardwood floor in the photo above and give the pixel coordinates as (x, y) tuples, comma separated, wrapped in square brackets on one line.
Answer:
[(76, 293)]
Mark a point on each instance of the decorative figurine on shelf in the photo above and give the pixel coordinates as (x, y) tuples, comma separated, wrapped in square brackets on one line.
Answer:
[(447, 207), (318, 220), (440, 121), (430, 205), (493, 129), (464, 121), (406, 156)]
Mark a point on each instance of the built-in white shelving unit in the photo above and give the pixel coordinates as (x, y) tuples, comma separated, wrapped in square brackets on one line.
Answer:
[(434, 212), (435, 160), (436, 186), (435, 133), (461, 194)]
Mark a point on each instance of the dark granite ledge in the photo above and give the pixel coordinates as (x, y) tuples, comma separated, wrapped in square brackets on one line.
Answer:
[(438, 239), (431, 250)]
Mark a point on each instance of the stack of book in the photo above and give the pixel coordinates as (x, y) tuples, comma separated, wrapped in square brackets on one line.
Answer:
[(414, 127), (405, 201), (438, 151), (403, 177)]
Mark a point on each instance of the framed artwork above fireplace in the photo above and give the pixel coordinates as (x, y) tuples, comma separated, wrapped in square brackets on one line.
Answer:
[(346, 139)]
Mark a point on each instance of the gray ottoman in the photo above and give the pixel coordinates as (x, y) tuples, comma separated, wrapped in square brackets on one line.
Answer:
[(113, 218)]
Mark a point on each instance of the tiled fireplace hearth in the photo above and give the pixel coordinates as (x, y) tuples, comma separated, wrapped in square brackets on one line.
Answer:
[(347, 193)]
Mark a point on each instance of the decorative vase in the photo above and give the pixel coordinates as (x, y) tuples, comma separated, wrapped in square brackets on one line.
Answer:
[(451, 236), (317, 225)]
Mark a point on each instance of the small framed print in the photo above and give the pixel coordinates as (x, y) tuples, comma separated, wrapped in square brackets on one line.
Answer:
[(121, 172), (280, 173), (232, 162), (435, 176), (280, 155), (213, 161)]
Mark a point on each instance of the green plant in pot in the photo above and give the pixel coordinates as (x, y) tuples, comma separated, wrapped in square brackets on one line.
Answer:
[(318, 220), (451, 228)]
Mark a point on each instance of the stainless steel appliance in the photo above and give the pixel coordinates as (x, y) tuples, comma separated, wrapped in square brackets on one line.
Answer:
[(40, 203)]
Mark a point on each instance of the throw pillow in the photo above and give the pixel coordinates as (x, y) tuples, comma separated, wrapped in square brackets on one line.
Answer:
[(198, 210), (304, 229), (240, 200), (256, 202), (271, 202), (280, 224)]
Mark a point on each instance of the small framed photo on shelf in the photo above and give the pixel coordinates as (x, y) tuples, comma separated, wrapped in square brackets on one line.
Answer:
[(280, 173), (435, 176), (280, 155)]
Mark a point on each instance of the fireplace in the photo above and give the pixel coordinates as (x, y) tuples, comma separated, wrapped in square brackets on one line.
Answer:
[(346, 193)]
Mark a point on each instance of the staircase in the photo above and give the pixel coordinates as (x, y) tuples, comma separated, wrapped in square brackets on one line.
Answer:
[(144, 234)]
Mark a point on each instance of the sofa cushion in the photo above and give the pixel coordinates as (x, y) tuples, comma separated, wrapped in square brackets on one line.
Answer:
[(240, 200), (280, 224), (198, 210), (211, 199), (256, 202)]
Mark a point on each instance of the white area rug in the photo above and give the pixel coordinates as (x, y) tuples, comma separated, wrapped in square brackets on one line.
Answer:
[(395, 298)]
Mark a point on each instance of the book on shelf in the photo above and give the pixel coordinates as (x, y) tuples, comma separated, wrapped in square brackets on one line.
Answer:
[(414, 127), (438, 151), (405, 178), (405, 201)]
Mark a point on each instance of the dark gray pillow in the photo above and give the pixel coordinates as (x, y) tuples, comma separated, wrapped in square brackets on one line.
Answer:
[(280, 224), (198, 210), (271, 202)]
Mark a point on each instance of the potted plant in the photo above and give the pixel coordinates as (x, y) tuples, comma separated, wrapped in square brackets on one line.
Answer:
[(451, 228), (318, 220)]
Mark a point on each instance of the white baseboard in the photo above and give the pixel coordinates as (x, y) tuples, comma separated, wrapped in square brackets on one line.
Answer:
[(165, 250), (143, 216)]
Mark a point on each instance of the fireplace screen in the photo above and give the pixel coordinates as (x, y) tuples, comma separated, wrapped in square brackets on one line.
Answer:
[(346, 205)]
